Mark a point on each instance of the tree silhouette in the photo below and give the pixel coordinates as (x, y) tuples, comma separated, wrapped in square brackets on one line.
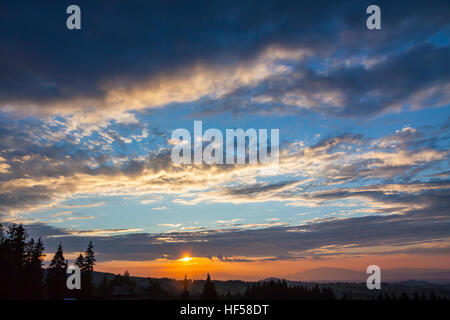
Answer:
[(154, 290), (17, 255), (81, 293), (185, 293), (21, 270), (12, 261), (86, 265), (3, 263), (22, 274), (34, 272), (79, 262), (88, 270), (280, 290), (123, 282), (105, 288), (404, 296), (209, 290), (57, 275), (433, 296)]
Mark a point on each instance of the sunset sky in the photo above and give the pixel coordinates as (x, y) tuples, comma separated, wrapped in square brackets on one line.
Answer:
[(86, 118)]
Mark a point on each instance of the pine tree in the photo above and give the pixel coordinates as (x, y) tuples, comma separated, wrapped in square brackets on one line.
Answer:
[(185, 293), (34, 272), (104, 289), (209, 290), (89, 260), (4, 264), (123, 281), (2, 242), (57, 275), (154, 290), (21, 270), (79, 262), (86, 264), (433, 296), (17, 241), (88, 271), (16, 260), (81, 293)]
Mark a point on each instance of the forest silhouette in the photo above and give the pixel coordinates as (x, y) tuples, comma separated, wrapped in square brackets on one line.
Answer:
[(23, 277)]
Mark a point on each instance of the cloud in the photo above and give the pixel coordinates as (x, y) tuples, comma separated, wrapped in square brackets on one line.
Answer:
[(88, 205), (159, 208), (158, 58), (171, 225), (410, 232), (229, 222), (81, 218), (61, 213), (71, 122), (350, 91), (95, 232), (41, 178)]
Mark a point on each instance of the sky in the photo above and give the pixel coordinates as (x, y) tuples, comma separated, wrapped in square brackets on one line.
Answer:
[(86, 118)]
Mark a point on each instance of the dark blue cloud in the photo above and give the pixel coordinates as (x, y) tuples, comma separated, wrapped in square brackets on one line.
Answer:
[(124, 42), (390, 84)]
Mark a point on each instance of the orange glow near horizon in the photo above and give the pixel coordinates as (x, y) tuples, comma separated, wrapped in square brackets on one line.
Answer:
[(198, 267)]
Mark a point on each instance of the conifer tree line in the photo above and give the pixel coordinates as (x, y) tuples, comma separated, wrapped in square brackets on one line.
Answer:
[(267, 290), (22, 273), (280, 290), (23, 276)]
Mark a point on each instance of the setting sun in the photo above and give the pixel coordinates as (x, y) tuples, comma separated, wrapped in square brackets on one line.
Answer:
[(186, 259)]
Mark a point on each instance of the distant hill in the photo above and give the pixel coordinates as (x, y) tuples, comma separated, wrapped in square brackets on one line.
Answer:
[(324, 275), (387, 275), (329, 275), (341, 281)]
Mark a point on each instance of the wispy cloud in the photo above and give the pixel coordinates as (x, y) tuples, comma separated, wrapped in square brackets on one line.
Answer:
[(364, 117)]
